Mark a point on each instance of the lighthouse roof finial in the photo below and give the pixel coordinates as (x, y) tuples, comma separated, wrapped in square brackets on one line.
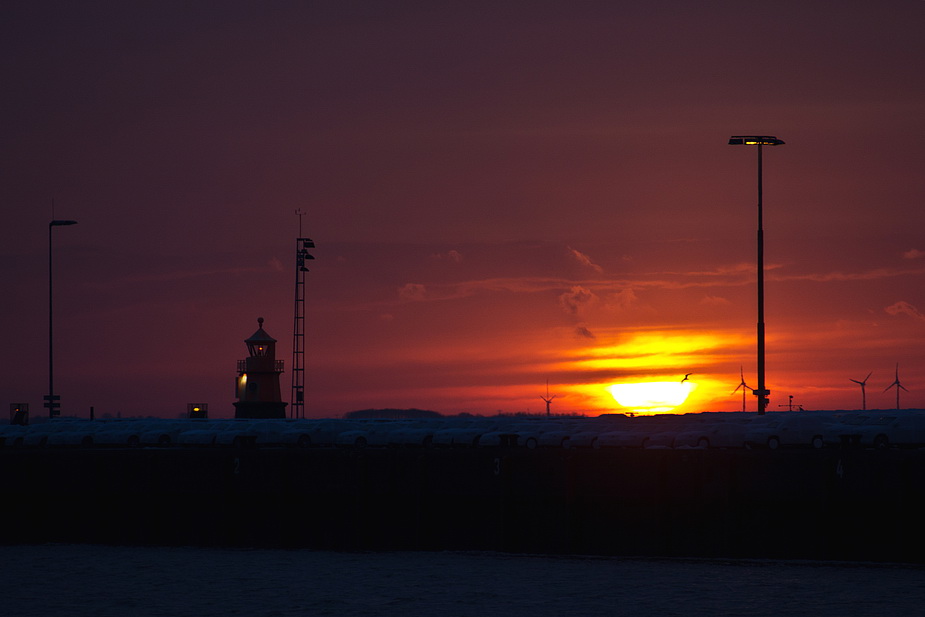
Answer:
[(260, 335)]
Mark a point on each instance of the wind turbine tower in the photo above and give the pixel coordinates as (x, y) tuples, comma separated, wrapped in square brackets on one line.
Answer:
[(863, 385), (743, 386), (898, 386), (548, 398)]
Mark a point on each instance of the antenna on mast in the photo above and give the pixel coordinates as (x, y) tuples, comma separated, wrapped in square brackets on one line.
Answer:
[(299, 213)]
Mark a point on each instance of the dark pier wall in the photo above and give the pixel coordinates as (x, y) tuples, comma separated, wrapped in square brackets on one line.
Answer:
[(826, 504)]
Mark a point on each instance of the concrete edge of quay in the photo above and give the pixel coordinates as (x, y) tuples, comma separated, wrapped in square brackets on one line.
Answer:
[(830, 504)]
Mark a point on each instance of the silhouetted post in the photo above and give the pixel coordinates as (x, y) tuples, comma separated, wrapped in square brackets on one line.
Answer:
[(51, 400), (762, 392), (759, 140)]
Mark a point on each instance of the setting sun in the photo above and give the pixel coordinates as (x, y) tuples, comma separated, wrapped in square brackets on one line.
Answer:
[(653, 396)]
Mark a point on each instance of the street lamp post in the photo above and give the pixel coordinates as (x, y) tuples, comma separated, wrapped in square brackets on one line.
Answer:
[(51, 400), (759, 140)]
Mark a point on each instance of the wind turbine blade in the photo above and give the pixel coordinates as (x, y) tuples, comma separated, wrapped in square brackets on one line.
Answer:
[(868, 376), (902, 386)]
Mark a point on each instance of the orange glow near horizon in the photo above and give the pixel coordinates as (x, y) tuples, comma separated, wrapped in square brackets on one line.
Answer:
[(659, 353), (652, 396), (648, 368)]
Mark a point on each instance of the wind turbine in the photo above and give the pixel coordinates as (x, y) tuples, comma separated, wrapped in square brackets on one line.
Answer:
[(898, 386), (548, 398), (863, 391), (744, 387)]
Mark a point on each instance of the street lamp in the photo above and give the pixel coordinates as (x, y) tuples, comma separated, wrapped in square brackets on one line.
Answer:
[(759, 140), (51, 400)]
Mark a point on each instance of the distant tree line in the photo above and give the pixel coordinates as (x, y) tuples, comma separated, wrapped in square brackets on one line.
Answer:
[(392, 414), (423, 414)]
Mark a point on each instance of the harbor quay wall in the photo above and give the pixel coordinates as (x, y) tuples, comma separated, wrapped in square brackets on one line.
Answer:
[(828, 504)]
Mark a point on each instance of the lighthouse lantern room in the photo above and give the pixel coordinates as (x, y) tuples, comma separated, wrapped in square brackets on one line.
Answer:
[(257, 384)]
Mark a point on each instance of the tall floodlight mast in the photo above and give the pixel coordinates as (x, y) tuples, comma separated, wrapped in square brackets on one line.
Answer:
[(297, 400), (759, 140), (52, 399)]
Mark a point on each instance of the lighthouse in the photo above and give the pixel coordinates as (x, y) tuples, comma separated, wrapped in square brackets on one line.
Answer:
[(257, 384)]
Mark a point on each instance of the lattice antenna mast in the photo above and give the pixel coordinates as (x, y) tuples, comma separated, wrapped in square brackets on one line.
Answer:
[(297, 400)]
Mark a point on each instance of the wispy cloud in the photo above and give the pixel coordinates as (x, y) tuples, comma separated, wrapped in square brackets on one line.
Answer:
[(714, 301), (623, 292), (623, 299), (904, 308), (584, 260), (865, 275), (179, 275), (913, 254), (576, 301), (452, 256), (584, 333), (412, 292)]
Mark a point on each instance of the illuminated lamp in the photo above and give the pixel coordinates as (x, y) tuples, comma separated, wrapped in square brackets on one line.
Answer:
[(755, 140), (19, 413), (197, 411)]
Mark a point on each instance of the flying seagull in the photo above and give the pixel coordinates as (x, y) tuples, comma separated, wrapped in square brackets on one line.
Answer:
[(686, 375)]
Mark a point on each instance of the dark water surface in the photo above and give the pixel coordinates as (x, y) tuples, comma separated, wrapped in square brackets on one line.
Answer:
[(77, 580)]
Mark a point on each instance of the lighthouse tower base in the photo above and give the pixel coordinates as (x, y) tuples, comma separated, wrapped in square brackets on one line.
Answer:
[(260, 410)]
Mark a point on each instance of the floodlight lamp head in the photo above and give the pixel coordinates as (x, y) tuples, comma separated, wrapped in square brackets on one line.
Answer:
[(57, 223), (755, 140)]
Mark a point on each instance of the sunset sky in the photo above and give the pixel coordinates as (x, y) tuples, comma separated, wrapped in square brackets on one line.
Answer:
[(501, 194)]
